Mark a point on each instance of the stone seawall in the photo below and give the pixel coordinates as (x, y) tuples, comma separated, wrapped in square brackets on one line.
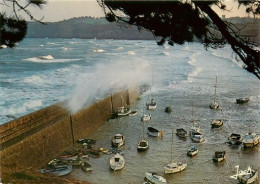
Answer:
[(34, 139)]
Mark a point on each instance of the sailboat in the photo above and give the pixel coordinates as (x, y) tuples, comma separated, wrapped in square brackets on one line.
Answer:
[(174, 167), (146, 117), (123, 111), (151, 105), (143, 144), (195, 134), (214, 104)]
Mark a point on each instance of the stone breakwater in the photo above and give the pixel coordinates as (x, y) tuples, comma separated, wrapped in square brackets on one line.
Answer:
[(34, 139)]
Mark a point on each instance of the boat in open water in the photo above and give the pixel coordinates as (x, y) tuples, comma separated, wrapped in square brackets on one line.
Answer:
[(219, 156), (235, 139), (117, 162), (192, 151), (217, 123), (251, 139), (242, 100), (180, 132), (118, 140), (154, 132), (154, 178)]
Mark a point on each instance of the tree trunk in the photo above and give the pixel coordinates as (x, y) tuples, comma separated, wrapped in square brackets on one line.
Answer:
[(249, 56)]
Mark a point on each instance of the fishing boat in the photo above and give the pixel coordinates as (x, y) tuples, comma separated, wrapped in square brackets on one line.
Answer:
[(196, 137), (117, 162), (154, 178), (219, 156), (62, 171), (146, 117), (151, 105), (246, 176), (250, 139), (154, 132), (242, 100), (217, 123), (118, 140), (192, 151), (122, 110), (235, 139), (86, 166), (174, 167), (143, 145), (214, 104), (180, 132)]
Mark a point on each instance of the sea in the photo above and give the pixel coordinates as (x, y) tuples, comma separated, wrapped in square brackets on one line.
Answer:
[(180, 76)]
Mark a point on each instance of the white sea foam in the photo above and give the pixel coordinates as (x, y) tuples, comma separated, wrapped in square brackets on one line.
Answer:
[(64, 48), (35, 79), (106, 78), (3, 46), (193, 74), (38, 60), (119, 48), (165, 53), (131, 53), (21, 109)]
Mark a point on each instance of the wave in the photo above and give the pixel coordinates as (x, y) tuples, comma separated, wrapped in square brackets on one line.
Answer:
[(22, 109), (119, 48), (98, 50), (193, 74), (165, 53), (3, 46), (38, 60), (131, 53)]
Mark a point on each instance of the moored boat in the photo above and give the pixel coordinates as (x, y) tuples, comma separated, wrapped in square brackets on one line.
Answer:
[(62, 171), (57, 163), (154, 132), (192, 151), (117, 162), (217, 123), (133, 113), (146, 117), (242, 100), (181, 133), (151, 105), (118, 140), (143, 145), (251, 139), (219, 156), (168, 110), (154, 178), (172, 166), (235, 139), (123, 111), (86, 166), (196, 137), (246, 176), (88, 141), (214, 104)]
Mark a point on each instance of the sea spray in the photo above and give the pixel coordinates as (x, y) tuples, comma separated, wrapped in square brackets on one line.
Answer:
[(109, 78)]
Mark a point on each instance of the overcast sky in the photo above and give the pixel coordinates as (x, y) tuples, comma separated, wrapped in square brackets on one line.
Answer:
[(57, 10)]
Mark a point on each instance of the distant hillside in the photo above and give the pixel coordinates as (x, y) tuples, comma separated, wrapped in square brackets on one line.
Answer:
[(86, 28), (100, 28)]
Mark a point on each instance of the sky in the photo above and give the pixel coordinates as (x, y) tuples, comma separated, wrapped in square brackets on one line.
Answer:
[(57, 10)]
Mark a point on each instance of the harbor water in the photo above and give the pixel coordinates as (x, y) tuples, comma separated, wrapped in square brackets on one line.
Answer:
[(181, 77)]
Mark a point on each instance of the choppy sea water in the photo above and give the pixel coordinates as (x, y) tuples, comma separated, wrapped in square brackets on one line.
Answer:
[(87, 70)]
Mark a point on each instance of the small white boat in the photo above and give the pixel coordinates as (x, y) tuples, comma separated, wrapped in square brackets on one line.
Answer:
[(242, 100), (48, 57), (196, 137), (123, 111), (151, 105), (146, 117), (246, 176), (118, 140), (235, 139), (217, 123), (250, 140), (219, 156), (143, 145), (117, 162), (214, 104), (154, 178), (174, 167), (194, 129), (192, 151), (154, 132)]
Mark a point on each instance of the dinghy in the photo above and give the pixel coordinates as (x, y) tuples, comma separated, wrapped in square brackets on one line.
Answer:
[(154, 178), (117, 162), (246, 176)]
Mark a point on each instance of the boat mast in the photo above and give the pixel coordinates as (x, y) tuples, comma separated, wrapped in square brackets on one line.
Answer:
[(121, 101), (171, 158), (192, 120), (215, 94), (143, 129)]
